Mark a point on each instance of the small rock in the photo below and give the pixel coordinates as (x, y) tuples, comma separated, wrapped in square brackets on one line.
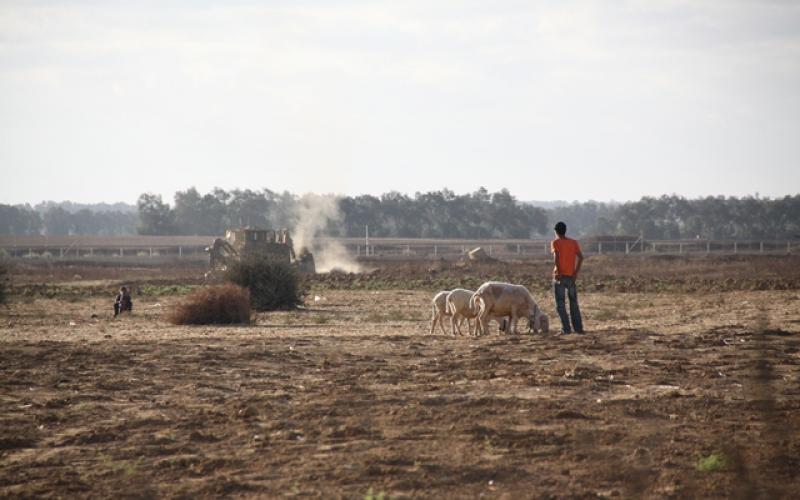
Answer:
[(248, 412)]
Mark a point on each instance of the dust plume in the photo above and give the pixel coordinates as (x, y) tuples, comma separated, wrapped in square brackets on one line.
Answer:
[(315, 216)]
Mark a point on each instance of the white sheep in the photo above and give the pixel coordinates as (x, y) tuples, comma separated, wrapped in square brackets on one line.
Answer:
[(460, 307), (477, 303), (496, 300), (439, 310)]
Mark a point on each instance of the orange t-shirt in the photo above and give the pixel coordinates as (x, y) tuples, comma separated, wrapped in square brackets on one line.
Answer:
[(568, 250)]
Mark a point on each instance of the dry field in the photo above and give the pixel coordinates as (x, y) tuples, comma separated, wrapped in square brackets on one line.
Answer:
[(687, 385)]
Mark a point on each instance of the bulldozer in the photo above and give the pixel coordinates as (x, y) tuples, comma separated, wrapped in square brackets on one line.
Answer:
[(241, 243)]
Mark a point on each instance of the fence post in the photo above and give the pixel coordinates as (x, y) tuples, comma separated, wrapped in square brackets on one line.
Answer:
[(545, 248), (761, 247), (435, 250), (680, 247), (627, 248), (518, 251), (121, 252), (151, 252), (180, 252), (788, 247), (735, 247), (600, 247), (708, 247), (60, 253), (654, 248)]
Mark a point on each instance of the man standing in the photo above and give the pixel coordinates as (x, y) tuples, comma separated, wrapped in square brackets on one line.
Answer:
[(568, 259)]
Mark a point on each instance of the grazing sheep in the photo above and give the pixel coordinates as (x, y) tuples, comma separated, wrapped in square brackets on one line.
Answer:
[(502, 320), (496, 300), (460, 307), (439, 310)]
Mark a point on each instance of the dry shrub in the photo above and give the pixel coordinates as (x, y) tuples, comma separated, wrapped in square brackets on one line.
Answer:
[(213, 305)]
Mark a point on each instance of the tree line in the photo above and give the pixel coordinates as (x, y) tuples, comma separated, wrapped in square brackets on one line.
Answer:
[(55, 220), (436, 214)]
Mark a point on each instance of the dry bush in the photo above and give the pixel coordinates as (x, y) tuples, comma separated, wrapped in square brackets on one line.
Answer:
[(218, 304)]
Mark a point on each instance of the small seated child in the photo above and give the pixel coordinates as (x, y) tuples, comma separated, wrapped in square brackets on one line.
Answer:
[(123, 302)]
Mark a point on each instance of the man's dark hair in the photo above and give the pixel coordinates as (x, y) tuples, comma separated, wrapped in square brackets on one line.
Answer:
[(561, 228)]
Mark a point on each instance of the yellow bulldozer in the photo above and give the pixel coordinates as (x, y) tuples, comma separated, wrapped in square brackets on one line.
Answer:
[(241, 243)]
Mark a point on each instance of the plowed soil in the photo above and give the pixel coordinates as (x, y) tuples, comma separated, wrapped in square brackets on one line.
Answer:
[(669, 394)]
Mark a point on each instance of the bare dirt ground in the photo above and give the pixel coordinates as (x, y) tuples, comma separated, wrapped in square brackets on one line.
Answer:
[(353, 394)]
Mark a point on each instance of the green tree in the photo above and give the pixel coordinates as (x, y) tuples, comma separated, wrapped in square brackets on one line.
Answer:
[(187, 211), (19, 220), (272, 285), (57, 222), (250, 208), (155, 216)]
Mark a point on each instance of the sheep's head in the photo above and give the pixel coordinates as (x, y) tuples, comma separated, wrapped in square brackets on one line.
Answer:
[(544, 323), (538, 322)]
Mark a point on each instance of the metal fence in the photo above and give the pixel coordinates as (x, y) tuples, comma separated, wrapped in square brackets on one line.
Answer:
[(522, 249), (164, 248)]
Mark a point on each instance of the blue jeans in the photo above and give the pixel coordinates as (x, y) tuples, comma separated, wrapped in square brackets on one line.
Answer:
[(567, 284)]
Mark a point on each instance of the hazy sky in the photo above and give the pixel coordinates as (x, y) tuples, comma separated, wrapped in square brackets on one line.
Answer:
[(103, 100)]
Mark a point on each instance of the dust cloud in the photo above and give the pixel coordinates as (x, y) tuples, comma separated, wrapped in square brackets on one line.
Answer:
[(314, 215)]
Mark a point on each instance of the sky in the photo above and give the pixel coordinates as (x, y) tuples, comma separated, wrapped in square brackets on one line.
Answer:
[(102, 100)]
